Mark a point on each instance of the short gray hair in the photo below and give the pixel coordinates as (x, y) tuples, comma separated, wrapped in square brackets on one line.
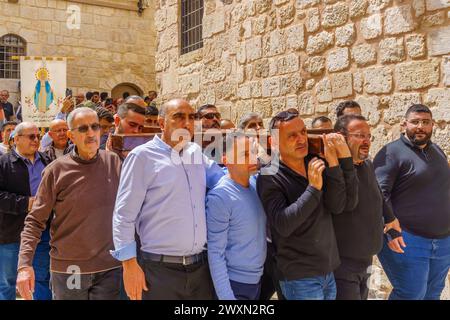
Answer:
[(71, 117), (243, 122), (24, 126)]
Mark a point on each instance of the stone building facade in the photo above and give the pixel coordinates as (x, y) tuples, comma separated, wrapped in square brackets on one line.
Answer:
[(112, 45), (269, 55)]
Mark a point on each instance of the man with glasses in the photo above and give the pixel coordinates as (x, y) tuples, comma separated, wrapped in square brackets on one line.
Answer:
[(80, 189), (359, 229), (209, 116), (299, 200), (67, 107), (20, 175), (414, 176), (211, 141), (60, 141)]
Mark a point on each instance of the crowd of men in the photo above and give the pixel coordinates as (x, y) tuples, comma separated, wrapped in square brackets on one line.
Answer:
[(166, 221)]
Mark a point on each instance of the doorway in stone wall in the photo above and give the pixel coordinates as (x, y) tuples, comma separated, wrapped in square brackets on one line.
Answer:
[(120, 89)]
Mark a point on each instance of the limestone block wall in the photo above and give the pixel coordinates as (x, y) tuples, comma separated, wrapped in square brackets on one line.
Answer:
[(266, 56), (112, 45)]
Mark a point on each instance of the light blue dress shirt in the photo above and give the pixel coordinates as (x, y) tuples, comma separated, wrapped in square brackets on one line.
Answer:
[(162, 196)]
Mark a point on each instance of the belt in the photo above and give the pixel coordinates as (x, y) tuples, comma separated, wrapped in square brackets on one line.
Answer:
[(183, 260)]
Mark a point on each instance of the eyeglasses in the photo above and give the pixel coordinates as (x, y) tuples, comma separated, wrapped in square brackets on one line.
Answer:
[(60, 131), (85, 128), (211, 115), (360, 136), (31, 136), (283, 116), (416, 122)]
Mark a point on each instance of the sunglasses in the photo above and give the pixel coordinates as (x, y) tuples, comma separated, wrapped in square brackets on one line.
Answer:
[(32, 136), (85, 128), (283, 116), (211, 115)]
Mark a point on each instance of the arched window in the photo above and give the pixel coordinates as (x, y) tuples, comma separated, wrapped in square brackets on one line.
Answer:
[(11, 45)]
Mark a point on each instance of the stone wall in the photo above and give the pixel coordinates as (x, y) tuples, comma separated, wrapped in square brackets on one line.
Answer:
[(265, 56), (112, 46)]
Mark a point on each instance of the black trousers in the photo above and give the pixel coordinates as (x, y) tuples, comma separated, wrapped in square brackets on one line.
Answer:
[(351, 279), (270, 279), (93, 286), (172, 281)]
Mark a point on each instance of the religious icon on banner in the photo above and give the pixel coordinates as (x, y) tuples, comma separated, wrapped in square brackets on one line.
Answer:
[(43, 86), (43, 95)]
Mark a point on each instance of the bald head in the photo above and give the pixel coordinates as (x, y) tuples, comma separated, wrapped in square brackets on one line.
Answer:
[(56, 123), (58, 133), (176, 119), (173, 104)]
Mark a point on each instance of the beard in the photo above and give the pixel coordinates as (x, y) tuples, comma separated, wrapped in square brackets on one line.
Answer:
[(412, 136)]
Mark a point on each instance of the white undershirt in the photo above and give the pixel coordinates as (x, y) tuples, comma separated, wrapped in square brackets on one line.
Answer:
[(59, 153)]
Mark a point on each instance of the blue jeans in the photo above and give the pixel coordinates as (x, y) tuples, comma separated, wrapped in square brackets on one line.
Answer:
[(420, 272), (315, 288), (9, 254)]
